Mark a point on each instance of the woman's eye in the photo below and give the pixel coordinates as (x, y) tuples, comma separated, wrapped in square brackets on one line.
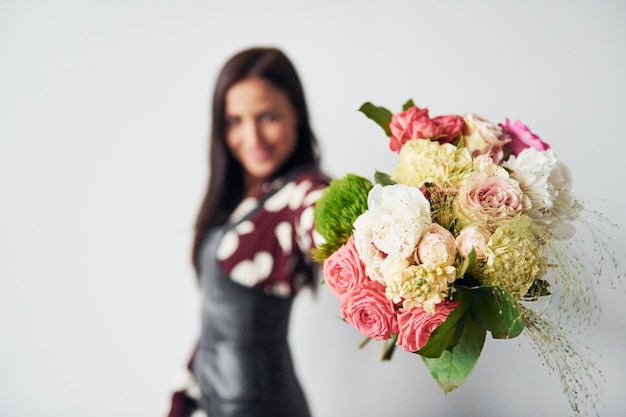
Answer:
[(231, 121), (267, 117)]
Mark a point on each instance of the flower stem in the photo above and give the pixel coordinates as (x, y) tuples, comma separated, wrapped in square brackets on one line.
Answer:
[(364, 342), (389, 347)]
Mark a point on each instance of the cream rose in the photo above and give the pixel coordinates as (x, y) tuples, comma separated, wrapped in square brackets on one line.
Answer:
[(483, 137), (437, 247), (489, 197), (474, 237)]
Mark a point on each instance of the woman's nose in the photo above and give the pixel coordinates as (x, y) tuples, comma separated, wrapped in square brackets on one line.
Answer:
[(254, 133)]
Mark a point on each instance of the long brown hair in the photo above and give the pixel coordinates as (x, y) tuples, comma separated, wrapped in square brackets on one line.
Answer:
[(225, 186)]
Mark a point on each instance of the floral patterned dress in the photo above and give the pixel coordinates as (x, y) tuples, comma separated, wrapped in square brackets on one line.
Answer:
[(250, 269)]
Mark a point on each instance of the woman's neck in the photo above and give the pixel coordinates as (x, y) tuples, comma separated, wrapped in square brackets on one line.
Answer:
[(251, 184)]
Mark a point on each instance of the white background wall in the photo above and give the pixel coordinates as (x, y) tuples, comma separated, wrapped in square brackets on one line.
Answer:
[(103, 142)]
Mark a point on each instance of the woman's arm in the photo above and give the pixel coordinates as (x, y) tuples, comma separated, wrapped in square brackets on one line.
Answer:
[(186, 392)]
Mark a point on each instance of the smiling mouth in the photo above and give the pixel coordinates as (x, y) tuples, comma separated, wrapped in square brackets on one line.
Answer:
[(260, 154)]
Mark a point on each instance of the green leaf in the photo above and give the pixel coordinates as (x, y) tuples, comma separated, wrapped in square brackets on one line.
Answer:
[(408, 105), (494, 309), (380, 115), (447, 334), (453, 367), (383, 179), (469, 265)]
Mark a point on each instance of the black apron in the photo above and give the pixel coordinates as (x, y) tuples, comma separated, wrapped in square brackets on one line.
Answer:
[(243, 364)]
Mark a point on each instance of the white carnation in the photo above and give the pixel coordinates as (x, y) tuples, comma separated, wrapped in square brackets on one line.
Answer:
[(547, 182)]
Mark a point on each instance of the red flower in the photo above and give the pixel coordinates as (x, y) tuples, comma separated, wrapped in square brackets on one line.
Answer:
[(414, 123)]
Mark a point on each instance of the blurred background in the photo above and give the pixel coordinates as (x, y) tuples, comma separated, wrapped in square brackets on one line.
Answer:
[(103, 160)]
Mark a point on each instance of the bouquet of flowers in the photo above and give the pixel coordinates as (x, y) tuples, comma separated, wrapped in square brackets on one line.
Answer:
[(468, 235)]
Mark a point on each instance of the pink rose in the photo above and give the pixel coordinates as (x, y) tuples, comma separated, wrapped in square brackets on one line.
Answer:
[(522, 138), (437, 247), (416, 325), (474, 237), (406, 124), (343, 270), (414, 123), (490, 197), (369, 311), (450, 126)]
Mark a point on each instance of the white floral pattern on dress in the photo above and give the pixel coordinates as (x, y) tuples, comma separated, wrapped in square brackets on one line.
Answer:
[(246, 206), (299, 194), (230, 242), (280, 200), (251, 272), (228, 245), (271, 247), (283, 234)]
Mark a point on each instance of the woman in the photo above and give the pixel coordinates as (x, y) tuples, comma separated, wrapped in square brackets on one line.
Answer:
[(254, 233)]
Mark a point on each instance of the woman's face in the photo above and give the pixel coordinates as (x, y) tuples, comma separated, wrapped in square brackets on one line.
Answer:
[(261, 128)]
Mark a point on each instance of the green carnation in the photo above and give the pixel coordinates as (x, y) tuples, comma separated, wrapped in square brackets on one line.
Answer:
[(341, 203)]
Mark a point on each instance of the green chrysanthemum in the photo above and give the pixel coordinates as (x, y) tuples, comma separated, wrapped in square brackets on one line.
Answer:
[(517, 259), (341, 203)]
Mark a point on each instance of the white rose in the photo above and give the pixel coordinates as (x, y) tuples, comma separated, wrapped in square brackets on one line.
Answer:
[(395, 221)]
